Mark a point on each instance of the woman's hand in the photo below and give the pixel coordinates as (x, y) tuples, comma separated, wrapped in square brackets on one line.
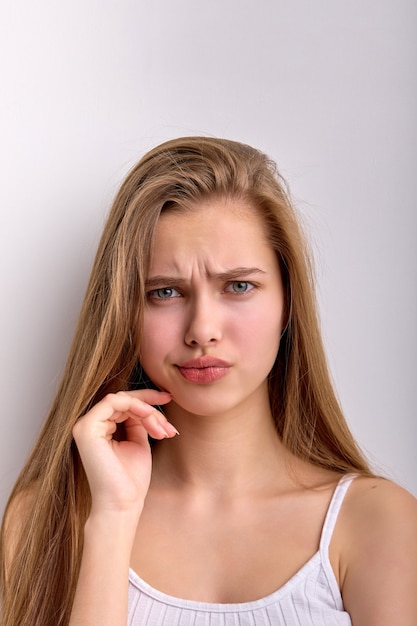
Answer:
[(119, 472)]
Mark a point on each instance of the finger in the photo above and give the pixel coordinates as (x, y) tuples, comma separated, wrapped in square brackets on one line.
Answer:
[(114, 405), (135, 412), (122, 406), (139, 408), (156, 425), (151, 396), (149, 419), (137, 404)]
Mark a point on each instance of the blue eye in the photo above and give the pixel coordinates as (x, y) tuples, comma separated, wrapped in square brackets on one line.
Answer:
[(239, 286), (165, 293)]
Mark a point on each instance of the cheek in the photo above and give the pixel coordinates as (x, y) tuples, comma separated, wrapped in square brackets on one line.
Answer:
[(257, 337), (151, 353), (262, 333), (158, 337), (149, 342), (266, 319)]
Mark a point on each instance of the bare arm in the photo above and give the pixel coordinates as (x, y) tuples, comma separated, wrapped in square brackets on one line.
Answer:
[(379, 566), (119, 476)]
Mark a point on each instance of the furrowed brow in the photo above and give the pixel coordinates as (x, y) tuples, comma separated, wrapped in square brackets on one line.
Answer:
[(177, 281), (237, 272), (165, 281)]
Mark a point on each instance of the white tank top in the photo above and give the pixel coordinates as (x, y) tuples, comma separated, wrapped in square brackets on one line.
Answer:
[(310, 598)]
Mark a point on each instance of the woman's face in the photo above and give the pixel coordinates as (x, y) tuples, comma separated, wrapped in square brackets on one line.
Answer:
[(214, 312)]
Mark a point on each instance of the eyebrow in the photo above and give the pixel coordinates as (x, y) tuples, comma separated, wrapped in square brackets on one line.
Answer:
[(233, 274)]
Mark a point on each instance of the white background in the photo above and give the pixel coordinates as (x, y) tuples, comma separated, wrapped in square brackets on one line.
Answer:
[(326, 87)]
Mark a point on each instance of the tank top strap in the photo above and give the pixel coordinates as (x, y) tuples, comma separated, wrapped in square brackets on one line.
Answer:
[(333, 511)]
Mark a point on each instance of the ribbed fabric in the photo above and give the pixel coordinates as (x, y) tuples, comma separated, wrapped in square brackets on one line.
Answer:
[(310, 598)]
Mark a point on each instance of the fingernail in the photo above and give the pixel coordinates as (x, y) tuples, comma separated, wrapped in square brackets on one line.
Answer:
[(171, 430)]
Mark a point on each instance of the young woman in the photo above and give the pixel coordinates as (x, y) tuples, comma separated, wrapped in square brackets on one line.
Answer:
[(200, 319)]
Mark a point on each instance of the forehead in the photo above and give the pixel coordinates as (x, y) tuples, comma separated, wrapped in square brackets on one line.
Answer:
[(219, 233), (215, 214)]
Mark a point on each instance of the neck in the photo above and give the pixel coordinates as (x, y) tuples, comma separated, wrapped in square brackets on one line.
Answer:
[(222, 454)]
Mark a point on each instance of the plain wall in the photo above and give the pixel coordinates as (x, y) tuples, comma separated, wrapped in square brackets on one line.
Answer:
[(326, 88)]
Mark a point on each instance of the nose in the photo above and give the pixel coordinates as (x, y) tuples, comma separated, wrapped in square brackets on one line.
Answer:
[(203, 325)]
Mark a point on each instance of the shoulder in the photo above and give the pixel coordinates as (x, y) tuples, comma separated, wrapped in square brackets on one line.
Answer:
[(377, 500), (378, 510), (377, 540)]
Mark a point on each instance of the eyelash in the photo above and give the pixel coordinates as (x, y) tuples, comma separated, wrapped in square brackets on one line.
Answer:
[(240, 282), (153, 294)]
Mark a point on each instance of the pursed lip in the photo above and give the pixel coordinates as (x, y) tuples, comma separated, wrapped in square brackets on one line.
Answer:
[(202, 362), (204, 370)]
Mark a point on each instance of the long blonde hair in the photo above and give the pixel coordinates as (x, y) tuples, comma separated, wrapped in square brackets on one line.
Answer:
[(41, 580)]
